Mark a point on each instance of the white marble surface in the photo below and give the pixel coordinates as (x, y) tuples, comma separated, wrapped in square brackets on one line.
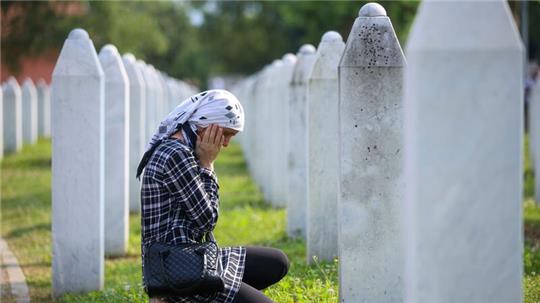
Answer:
[(44, 106), (271, 111), (29, 112), (259, 120), (322, 151), (137, 106), (463, 154), (116, 151), (534, 136), (12, 116), (297, 148), (77, 168), (371, 183), (157, 107), (280, 127), (150, 101)]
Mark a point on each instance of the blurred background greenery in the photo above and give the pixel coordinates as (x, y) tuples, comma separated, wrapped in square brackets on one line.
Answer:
[(194, 40)]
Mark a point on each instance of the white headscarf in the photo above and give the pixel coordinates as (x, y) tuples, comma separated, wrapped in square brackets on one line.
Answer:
[(215, 106)]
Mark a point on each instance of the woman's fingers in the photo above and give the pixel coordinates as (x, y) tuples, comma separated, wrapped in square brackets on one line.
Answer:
[(221, 141), (219, 134), (212, 135), (207, 134)]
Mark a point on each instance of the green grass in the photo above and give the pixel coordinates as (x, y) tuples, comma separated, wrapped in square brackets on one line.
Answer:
[(531, 217), (244, 220)]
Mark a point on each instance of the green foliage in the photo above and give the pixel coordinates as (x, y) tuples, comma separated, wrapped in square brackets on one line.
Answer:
[(528, 172), (237, 37), (256, 32), (531, 289)]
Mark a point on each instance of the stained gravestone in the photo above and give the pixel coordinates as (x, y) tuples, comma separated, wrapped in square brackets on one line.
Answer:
[(29, 112), (370, 161), (116, 151), (12, 116), (323, 165), (297, 195), (137, 106), (44, 107), (463, 154), (78, 122)]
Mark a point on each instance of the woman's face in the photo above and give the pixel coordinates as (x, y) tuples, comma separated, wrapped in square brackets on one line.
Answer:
[(228, 133)]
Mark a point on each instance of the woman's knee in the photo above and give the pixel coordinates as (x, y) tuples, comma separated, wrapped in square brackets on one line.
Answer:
[(268, 259), (283, 261)]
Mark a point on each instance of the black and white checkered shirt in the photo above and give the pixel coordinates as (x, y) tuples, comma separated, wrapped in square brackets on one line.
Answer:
[(180, 203)]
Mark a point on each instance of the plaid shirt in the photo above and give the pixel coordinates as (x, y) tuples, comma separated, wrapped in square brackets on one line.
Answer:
[(180, 204)]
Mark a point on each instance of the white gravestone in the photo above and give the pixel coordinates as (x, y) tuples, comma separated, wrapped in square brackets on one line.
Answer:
[(150, 100), (12, 116), (280, 129), (116, 152), (29, 112), (322, 150), (43, 102), (78, 122), (157, 107), (137, 107), (463, 154), (297, 195), (371, 183), (268, 119), (257, 144)]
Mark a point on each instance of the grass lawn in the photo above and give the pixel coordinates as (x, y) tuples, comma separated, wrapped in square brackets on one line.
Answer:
[(244, 220)]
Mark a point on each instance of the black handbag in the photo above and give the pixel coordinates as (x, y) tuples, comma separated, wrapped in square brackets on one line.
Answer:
[(183, 269)]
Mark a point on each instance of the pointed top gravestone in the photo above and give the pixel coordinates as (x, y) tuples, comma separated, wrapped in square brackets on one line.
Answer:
[(116, 151), (329, 53), (297, 197), (77, 168), (289, 58), (29, 112), (13, 136), (371, 181), (463, 154), (137, 105), (323, 157)]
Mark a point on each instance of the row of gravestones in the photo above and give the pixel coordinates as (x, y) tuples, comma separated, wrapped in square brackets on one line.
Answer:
[(408, 170), (25, 114), (104, 109)]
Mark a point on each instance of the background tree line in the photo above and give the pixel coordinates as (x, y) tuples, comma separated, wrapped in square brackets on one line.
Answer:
[(230, 37)]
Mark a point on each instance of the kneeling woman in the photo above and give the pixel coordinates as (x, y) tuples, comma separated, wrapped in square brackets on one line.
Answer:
[(179, 194)]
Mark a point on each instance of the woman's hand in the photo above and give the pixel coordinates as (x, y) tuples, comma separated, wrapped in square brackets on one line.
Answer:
[(209, 145)]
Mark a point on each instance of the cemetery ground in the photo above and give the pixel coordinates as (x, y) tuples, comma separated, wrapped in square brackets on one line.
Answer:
[(244, 220)]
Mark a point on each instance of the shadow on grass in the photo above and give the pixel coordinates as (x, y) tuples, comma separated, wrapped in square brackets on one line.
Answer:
[(19, 232)]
